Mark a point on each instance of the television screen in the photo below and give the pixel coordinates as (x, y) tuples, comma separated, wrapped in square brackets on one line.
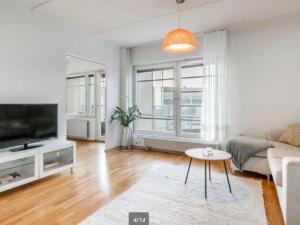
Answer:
[(21, 124)]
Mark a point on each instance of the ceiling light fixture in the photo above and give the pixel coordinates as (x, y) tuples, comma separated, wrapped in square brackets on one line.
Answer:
[(179, 40)]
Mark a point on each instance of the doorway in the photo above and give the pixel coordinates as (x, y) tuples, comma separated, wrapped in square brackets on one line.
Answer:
[(85, 99)]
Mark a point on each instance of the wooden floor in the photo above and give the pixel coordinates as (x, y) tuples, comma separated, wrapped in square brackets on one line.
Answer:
[(98, 178)]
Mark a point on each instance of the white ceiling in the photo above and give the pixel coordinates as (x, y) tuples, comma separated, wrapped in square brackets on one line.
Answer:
[(131, 22)]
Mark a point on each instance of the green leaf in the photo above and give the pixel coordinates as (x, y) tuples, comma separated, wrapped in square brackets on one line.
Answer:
[(126, 117)]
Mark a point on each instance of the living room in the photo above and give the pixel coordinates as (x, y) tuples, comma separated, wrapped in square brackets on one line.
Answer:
[(207, 125)]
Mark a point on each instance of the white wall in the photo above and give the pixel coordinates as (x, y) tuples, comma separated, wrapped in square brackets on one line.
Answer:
[(33, 64), (265, 74)]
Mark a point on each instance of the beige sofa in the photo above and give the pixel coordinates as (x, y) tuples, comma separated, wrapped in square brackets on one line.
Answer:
[(259, 163), (284, 163)]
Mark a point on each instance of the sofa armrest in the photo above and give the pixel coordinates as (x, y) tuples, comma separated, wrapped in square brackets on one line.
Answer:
[(291, 189)]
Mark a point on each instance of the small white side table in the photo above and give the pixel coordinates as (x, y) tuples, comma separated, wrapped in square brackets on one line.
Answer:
[(208, 155)]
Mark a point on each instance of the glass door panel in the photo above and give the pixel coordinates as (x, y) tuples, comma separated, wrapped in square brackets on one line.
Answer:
[(91, 100), (101, 105), (76, 95), (17, 170), (56, 159)]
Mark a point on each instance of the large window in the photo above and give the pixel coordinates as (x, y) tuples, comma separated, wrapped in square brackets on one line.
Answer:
[(155, 98), (81, 95), (170, 99)]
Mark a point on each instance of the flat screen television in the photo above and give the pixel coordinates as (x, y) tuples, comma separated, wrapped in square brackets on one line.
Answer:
[(23, 124)]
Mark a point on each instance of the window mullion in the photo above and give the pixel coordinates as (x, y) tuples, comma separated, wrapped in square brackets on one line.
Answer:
[(153, 100), (177, 100), (86, 94)]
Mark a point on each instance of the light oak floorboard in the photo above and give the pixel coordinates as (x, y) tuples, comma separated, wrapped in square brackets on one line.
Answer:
[(98, 178)]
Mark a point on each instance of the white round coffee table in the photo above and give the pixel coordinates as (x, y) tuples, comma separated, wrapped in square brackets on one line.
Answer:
[(208, 154)]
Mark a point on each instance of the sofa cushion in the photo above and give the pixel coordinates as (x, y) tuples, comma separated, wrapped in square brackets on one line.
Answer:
[(281, 145), (291, 135), (279, 153), (276, 169), (262, 154)]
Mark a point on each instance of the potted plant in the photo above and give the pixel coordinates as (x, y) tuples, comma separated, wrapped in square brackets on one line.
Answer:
[(126, 118)]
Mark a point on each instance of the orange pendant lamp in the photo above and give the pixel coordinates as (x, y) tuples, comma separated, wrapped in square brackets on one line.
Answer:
[(179, 40)]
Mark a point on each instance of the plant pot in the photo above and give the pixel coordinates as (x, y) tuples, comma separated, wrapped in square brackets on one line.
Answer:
[(126, 137)]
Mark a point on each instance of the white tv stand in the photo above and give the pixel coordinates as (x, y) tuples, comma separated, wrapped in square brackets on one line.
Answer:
[(18, 168)]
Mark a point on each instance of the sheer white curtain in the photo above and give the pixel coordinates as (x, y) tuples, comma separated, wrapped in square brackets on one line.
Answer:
[(215, 86)]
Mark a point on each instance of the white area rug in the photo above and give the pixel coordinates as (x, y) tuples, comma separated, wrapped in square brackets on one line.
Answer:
[(169, 202)]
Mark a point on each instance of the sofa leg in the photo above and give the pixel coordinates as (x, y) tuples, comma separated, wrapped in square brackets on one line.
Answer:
[(268, 177)]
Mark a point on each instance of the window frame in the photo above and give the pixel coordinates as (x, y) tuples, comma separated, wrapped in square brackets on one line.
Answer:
[(135, 96), (84, 75), (176, 65)]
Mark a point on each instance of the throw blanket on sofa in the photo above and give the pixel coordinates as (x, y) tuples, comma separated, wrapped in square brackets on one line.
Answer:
[(243, 148)]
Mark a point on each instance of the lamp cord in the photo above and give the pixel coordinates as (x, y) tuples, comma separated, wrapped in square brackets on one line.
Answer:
[(179, 2), (179, 16)]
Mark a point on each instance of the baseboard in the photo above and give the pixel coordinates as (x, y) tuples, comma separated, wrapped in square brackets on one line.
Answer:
[(112, 149), (159, 150), (147, 149)]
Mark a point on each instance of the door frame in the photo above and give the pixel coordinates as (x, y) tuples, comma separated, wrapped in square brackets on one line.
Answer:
[(102, 138)]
